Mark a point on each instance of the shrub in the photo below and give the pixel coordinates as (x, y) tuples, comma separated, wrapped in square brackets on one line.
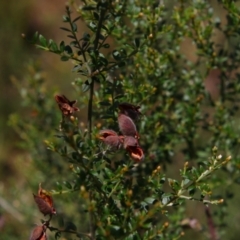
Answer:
[(178, 66)]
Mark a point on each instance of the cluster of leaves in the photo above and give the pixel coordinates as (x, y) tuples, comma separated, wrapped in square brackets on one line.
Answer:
[(131, 53)]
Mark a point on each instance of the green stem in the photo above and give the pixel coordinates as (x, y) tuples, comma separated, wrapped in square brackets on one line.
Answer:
[(90, 108)]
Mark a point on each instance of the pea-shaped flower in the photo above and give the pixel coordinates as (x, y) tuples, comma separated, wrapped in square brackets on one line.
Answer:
[(111, 138), (65, 105), (127, 126)]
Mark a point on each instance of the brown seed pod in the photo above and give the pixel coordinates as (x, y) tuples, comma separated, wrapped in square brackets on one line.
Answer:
[(130, 110), (127, 126), (65, 105), (39, 233), (44, 202), (130, 141), (136, 153), (43, 206)]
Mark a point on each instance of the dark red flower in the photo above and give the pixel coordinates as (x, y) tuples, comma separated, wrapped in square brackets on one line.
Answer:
[(130, 110), (127, 126), (65, 105), (111, 138), (107, 132), (39, 233), (136, 153), (44, 202), (130, 141)]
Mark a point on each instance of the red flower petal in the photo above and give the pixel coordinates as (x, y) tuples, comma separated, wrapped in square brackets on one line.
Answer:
[(136, 153), (114, 141), (130, 141), (127, 126), (106, 132)]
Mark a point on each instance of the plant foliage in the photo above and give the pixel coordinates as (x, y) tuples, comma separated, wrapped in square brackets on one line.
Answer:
[(132, 53)]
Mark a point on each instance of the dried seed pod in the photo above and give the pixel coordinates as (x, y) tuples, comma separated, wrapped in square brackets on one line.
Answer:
[(130, 141), (44, 202), (130, 110), (127, 126), (44, 206), (65, 105), (136, 153), (39, 233)]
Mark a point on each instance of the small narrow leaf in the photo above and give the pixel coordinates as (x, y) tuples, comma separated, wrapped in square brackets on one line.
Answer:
[(68, 49), (43, 40), (85, 86), (62, 46), (65, 18), (65, 29), (89, 7), (74, 27), (95, 15), (77, 18), (64, 58)]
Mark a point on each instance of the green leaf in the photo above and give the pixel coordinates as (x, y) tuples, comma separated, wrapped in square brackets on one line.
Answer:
[(65, 18), (86, 37), (59, 186), (35, 37), (137, 42), (162, 180), (76, 68), (116, 55), (62, 46), (67, 184), (105, 103), (57, 235), (76, 19), (68, 49), (191, 190), (85, 87), (103, 60), (64, 58), (92, 26), (43, 40), (65, 29), (70, 226), (95, 15), (89, 7), (74, 27), (149, 200), (75, 155), (53, 46)]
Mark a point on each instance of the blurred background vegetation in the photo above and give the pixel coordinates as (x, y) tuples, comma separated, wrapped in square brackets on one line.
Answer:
[(15, 55), (17, 209)]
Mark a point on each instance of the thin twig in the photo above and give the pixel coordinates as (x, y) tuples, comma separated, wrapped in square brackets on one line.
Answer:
[(211, 226)]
